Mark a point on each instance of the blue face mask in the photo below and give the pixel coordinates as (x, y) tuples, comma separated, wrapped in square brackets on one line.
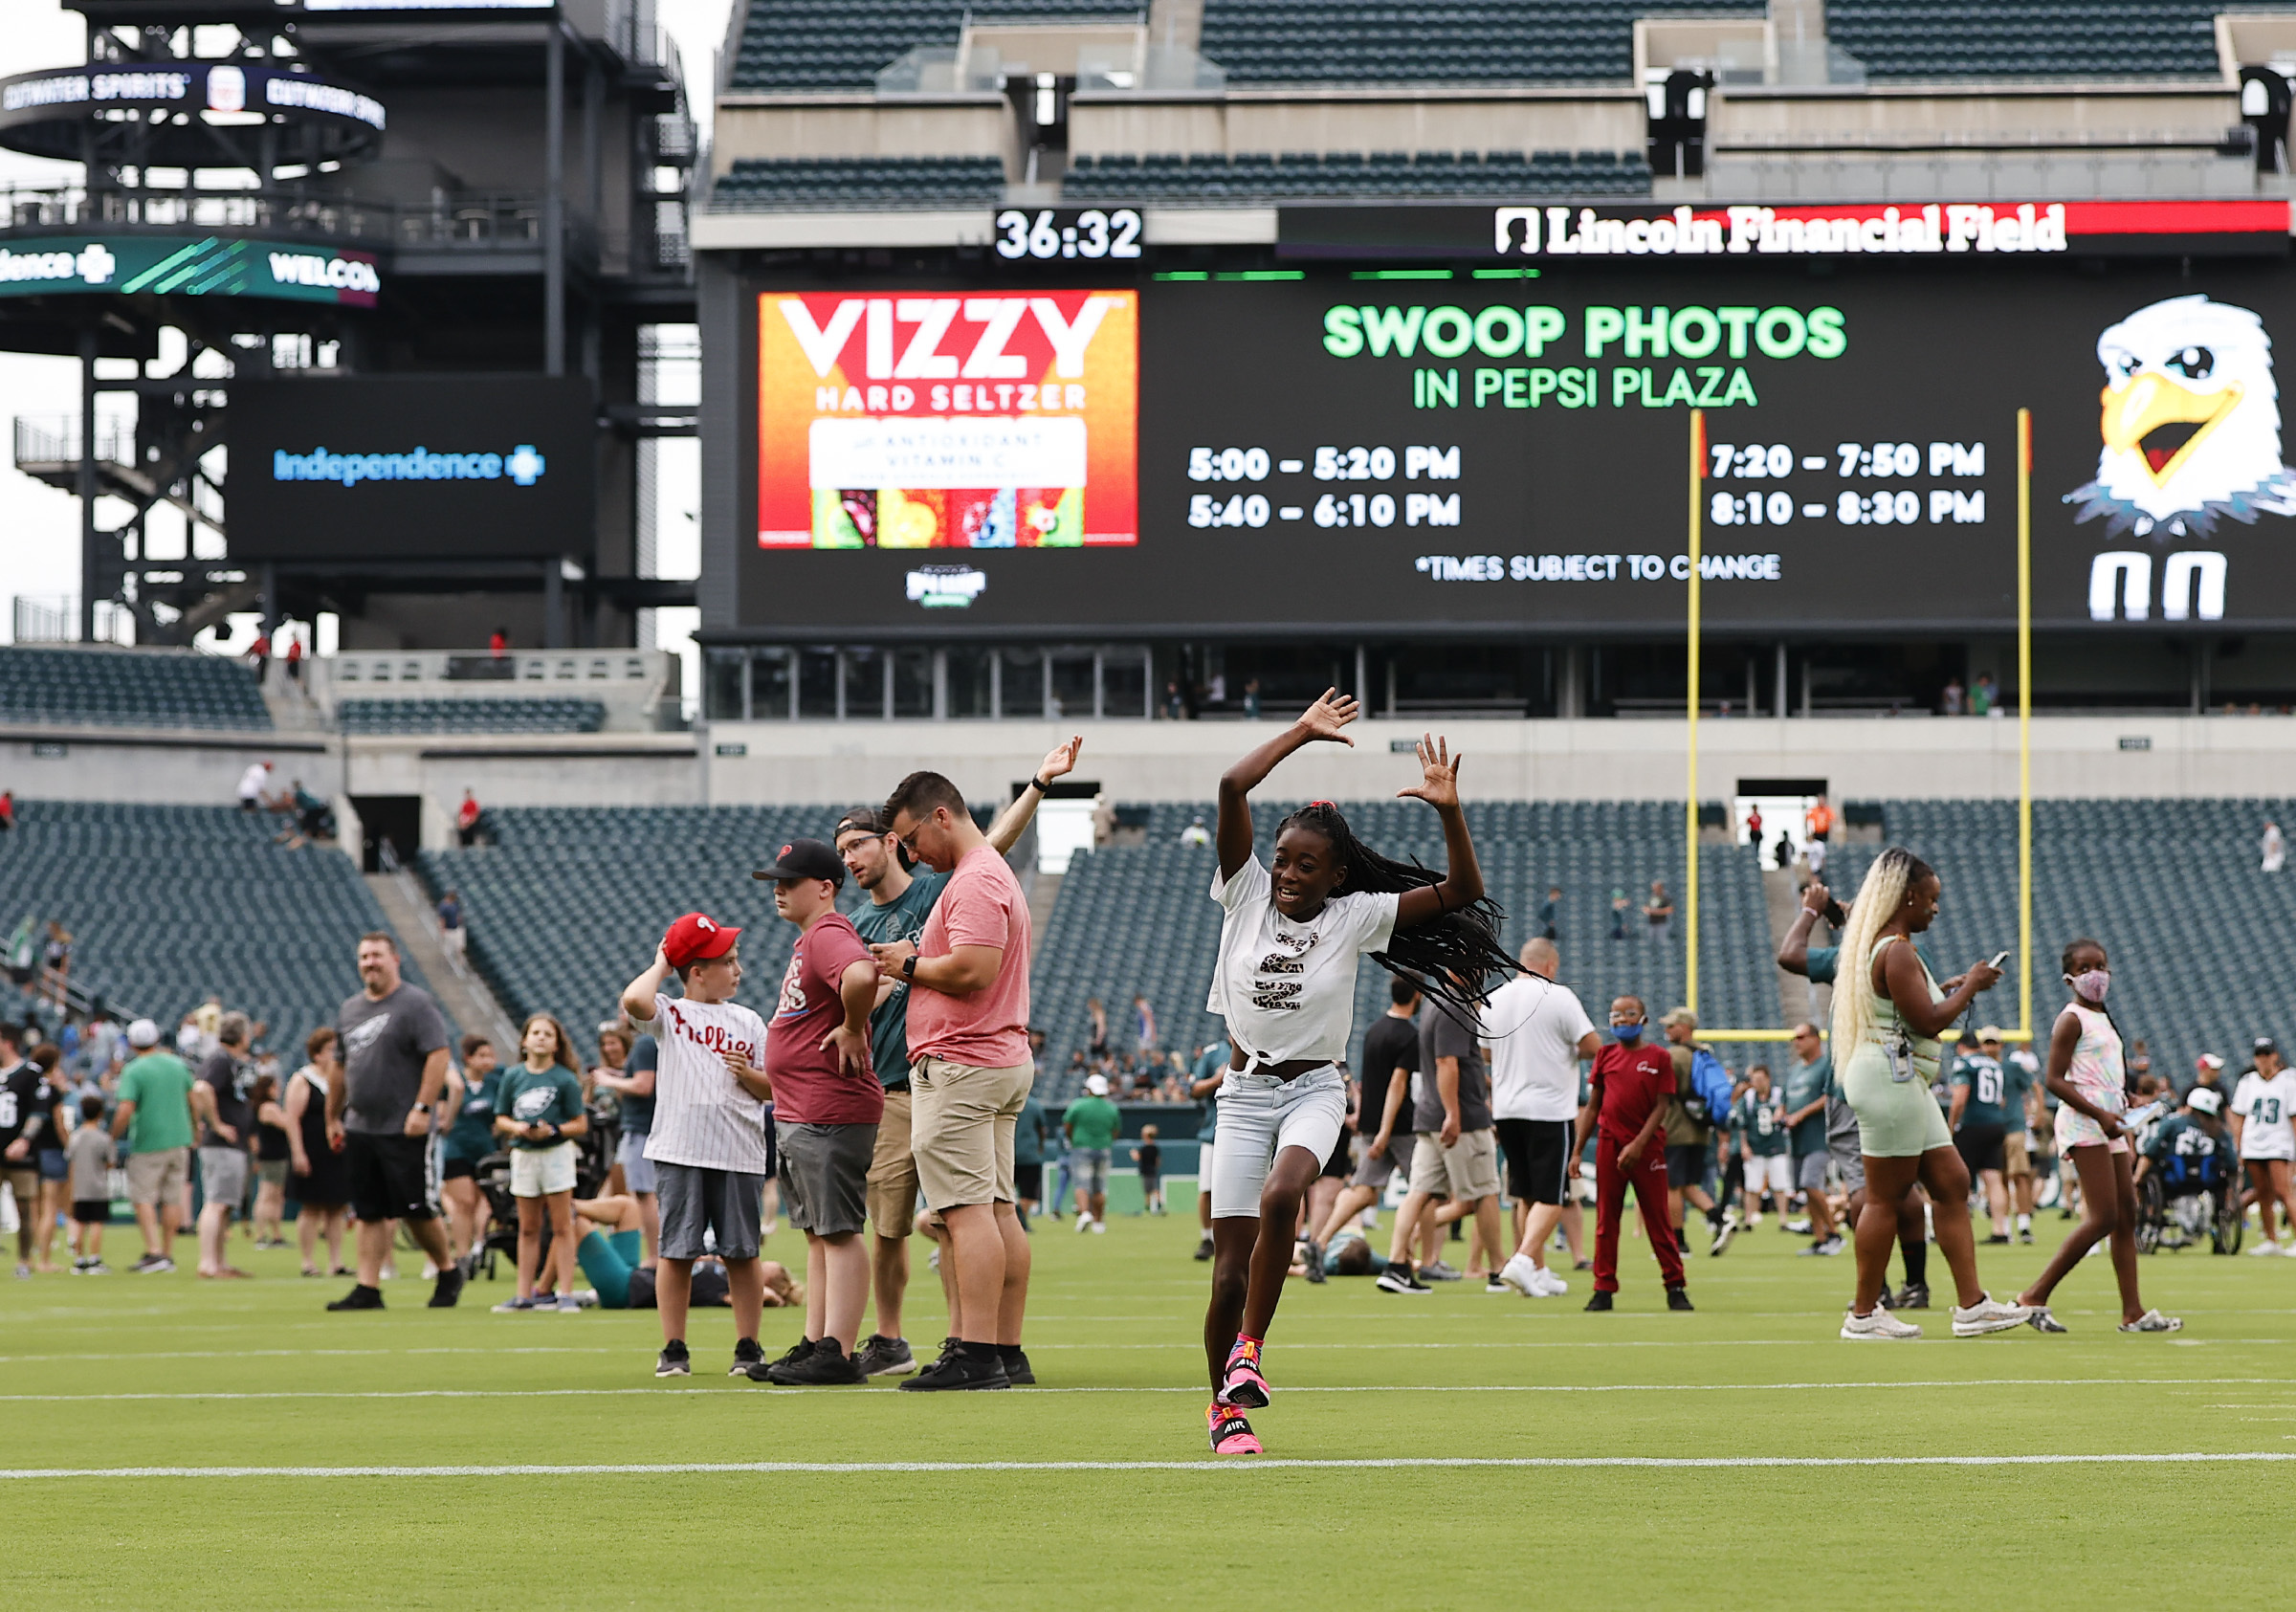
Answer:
[(1627, 1034)]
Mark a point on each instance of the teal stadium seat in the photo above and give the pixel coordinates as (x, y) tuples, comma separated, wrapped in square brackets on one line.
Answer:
[(106, 687), (168, 903)]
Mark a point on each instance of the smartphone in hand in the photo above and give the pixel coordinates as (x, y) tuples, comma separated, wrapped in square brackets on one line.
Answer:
[(1998, 957)]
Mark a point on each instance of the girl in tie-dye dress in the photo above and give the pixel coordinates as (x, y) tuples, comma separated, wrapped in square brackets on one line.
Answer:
[(2087, 1075)]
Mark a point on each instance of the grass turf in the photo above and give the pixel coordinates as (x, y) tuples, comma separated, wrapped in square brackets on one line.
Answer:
[(102, 1373)]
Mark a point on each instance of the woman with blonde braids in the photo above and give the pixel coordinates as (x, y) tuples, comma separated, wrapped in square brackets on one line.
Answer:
[(1889, 1014)]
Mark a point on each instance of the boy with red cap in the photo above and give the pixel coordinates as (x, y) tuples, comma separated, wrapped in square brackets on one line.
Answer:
[(1632, 1089), (709, 1144), (827, 1103)]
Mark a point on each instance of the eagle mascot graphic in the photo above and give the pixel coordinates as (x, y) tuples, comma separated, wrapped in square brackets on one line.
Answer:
[(2191, 424)]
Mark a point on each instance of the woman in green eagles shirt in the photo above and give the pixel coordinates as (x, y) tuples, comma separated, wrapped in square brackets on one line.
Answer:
[(470, 1138), (539, 1110)]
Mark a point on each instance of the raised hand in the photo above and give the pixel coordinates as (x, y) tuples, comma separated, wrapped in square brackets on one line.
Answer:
[(1439, 774), (1330, 713), (1061, 759)]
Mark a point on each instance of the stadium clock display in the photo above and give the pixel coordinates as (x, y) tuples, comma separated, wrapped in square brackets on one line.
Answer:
[(1331, 452)]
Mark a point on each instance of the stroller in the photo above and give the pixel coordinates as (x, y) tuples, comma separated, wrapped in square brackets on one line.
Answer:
[(593, 1165)]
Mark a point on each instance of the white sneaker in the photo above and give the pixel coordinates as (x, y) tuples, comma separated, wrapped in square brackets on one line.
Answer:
[(1551, 1286), (1099, 1228), (1988, 1315), (1520, 1274), (1724, 1232), (2264, 1251), (1880, 1325), (2153, 1320), (1084, 1223)]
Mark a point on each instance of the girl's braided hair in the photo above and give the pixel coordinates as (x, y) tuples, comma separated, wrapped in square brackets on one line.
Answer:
[(1456, 956)]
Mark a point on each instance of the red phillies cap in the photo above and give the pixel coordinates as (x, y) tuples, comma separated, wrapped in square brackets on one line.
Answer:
[(697, 938)]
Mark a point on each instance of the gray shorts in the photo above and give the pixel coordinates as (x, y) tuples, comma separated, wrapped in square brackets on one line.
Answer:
[(223, 1176), (1378, 1169), (1088, 1170), (637, 1170), (1809, 1171), (695, 1198), (824, 1174)]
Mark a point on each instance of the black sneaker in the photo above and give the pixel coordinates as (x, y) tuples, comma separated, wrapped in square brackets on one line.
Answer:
[(359, 1299), (788, 1356), (828, 1366), (1017, 1369), (449, 1291), (1600, 1300), (673, 1360), (1497, 1286), (1203, 1249), (957, 1370), (1913, 1295), (1999, 1240), (1679, 1299), (1312, 1262), (143, 1264), (1398, 1279), (747, 1355), (885, 1357)]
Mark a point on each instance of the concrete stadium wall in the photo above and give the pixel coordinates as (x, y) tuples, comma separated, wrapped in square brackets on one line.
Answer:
[(1864, 759), (844, 763)]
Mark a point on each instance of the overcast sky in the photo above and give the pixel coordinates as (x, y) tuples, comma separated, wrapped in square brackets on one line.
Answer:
[(39, 528)]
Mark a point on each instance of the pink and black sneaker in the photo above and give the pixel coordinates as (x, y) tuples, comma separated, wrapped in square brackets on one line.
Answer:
[(1232, 1434), (1243, 1385)]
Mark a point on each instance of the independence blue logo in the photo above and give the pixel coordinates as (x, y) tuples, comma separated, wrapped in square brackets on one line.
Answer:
[(524, 465)]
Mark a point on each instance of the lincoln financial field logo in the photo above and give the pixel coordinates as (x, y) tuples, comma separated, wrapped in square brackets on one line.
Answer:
[(2191, 438), (523, 466)]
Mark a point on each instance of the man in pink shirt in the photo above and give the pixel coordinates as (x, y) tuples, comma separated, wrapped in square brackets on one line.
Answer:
[(970, 1071)]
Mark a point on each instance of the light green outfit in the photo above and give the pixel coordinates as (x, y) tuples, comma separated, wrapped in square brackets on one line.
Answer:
[(1897, 1118)]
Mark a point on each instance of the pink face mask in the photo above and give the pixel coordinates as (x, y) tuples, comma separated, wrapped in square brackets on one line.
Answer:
[(2092, 985)]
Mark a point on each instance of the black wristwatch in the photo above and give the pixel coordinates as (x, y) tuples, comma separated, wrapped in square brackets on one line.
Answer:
[(909, 966), (1041, 786)]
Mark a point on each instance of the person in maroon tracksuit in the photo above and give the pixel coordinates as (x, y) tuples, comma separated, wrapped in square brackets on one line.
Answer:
[(1633, 1086)]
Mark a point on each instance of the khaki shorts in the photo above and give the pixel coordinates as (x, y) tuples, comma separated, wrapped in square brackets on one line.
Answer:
[(158, 1178), (24, 1181), (1467, 1170), (962, 1118), (892, 1187), (2016, 1161)]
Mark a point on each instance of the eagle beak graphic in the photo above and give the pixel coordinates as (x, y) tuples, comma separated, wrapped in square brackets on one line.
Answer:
[(2162, 420)]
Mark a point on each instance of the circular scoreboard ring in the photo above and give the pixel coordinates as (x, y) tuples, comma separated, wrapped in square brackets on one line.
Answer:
[(187, 114)]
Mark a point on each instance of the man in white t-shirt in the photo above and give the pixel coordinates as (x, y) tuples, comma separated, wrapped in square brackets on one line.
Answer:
[(254, 783), (1537, 1032), (708, 1145), (2263, 1129)]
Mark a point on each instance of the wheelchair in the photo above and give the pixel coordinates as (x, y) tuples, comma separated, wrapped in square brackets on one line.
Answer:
[(593, 1166), (2197, 1210)]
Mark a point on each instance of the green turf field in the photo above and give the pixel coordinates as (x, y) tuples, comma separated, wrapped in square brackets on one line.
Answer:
[(1435, 1440)]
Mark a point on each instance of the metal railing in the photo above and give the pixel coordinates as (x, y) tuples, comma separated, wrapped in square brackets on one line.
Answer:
[(467, 221), (54, 618), (54, 440)]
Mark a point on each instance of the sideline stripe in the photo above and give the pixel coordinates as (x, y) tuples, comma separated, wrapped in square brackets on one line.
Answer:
[(2024, 1382), (1365, 1463)]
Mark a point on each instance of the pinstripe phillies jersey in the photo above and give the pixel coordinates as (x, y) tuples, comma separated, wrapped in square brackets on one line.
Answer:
[(701, 1115)]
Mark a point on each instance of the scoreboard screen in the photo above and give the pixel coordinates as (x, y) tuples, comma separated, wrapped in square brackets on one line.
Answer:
[(1503, 450)]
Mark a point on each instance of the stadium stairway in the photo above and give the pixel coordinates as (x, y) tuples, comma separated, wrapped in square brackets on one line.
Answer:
[(462, 992)]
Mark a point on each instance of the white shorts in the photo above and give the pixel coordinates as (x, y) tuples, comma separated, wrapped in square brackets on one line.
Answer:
[(1775, 1173), (1260, 1116), (536, 1171)]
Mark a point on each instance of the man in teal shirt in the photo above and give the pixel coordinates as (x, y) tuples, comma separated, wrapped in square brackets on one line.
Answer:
[(154, 1114), (1029, 1133), (1092, 1124), (899, 901)]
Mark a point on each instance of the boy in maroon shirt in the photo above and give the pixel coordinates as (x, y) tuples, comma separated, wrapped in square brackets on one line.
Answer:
[(827, 1102), (1633, 1086)]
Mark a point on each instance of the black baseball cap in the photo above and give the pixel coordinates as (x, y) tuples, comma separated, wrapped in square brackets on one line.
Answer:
[(805, 859), (2265, 1044)]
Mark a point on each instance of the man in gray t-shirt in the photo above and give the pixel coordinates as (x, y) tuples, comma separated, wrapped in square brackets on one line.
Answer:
[(1456, 1161), (393, 1043)]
